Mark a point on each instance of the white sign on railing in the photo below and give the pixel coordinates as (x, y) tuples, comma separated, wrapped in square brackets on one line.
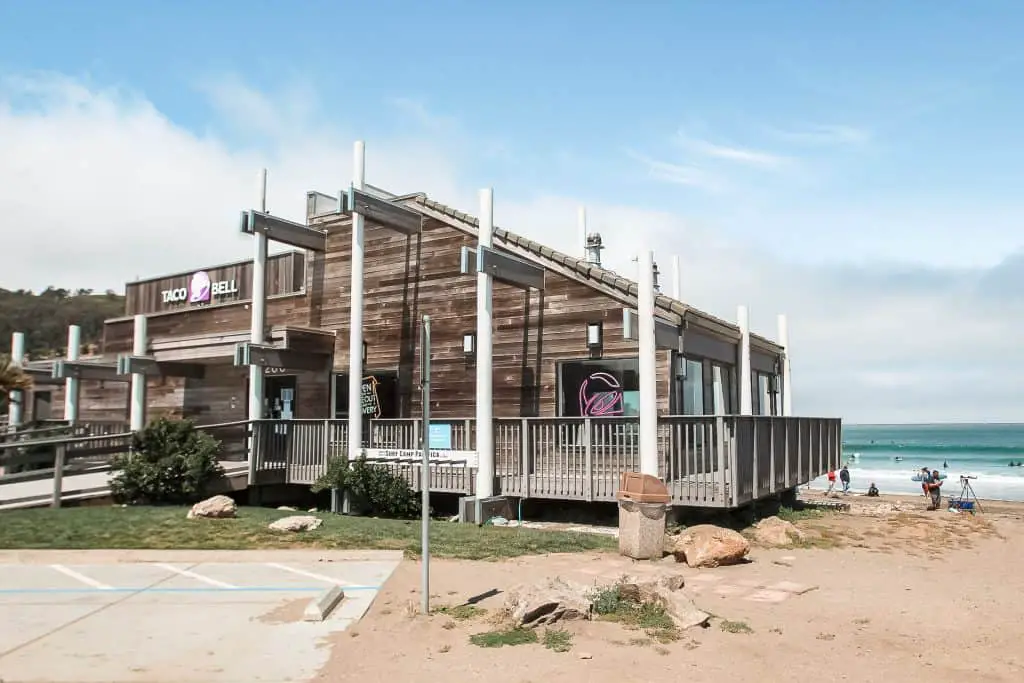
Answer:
[(449, 458)]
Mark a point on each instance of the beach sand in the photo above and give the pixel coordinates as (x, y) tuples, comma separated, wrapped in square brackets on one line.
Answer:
[(897, 595)]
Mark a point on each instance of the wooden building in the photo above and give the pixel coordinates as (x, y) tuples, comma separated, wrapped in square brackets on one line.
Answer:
[(543, 363)]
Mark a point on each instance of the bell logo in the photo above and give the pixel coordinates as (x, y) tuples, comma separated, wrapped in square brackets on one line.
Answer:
[(199, 289)]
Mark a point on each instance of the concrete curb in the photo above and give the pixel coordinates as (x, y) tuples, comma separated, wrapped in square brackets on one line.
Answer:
[(319, 608)]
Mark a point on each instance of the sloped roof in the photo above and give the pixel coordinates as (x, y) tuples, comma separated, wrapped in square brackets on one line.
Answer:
[(626, 290)]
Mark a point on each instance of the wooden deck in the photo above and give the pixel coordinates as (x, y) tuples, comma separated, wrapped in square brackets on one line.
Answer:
[(720, 462)]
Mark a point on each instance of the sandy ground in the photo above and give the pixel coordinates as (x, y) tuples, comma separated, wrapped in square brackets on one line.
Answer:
[(897, 596)]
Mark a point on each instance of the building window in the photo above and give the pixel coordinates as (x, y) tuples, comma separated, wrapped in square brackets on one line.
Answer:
[(693, 386), (379, 396), (599, 388), (720, 393)]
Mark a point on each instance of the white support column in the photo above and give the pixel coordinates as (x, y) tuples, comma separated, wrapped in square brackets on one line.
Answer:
[(16, 402), (677, 279), (71, 383), (258, 305), (355, 328), (787, 395), (581, 221), (746, 400), (484, 361), (648, 366), (140, 344)]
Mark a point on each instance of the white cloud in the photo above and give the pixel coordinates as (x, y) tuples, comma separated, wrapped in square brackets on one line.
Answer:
[(738, 155), (97, 186), (826, 134), (678, 174)]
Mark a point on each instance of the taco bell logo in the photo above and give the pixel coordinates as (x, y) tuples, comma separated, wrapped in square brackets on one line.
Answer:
[(199, 289)]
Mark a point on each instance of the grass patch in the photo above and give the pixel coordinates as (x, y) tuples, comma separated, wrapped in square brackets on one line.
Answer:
[(557, 640), (610, 605), (734, 626), (504, 637), (165, 528), (461, 612)]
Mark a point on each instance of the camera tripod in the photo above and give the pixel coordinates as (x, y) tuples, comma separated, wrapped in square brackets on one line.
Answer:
[(967, 494)]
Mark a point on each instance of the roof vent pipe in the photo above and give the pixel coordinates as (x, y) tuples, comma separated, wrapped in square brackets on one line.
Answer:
[(594, 248)]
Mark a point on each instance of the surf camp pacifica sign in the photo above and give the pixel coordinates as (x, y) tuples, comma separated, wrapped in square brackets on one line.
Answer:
[(201, 290)]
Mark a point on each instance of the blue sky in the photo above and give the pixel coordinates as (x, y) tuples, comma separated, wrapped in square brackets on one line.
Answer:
[(843, 159)]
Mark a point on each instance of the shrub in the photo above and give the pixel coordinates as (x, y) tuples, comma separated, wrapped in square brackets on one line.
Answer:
[(171, 462), (372, 489)]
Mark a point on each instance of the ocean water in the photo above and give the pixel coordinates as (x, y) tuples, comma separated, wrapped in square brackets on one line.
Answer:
[(890, 455)]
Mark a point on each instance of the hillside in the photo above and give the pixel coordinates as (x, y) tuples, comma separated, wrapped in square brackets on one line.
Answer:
[(44, 318)]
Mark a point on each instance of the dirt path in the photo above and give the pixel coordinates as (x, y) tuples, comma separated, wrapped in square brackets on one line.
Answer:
[(894, 597)]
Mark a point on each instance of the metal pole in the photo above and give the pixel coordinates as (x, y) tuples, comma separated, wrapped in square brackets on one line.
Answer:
[(16, 402), (355, 328), (484, 363), (648, 366), (746, 400), (425, 479), (137, 415), (787, 395), (71, 383), (258, 321), (677, 279)]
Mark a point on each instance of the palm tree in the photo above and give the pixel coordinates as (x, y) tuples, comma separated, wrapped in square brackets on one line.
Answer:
[(12, 378)]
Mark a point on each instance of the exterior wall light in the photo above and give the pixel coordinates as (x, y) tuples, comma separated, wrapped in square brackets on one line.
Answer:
[(469, 345), (595, 339)]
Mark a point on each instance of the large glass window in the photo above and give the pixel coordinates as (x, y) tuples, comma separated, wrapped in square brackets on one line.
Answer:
[(693, 387), (379, 396), (720, 389), (599, 388)]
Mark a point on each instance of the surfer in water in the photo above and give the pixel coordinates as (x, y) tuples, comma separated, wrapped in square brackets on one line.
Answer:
[(945, 464)]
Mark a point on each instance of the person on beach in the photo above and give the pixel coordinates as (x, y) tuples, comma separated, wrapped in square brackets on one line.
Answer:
[(925, 479), (872, 491), (935, 490), (844, 476), (831, 481)]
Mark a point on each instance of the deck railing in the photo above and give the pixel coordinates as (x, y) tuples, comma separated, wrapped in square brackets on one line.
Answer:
[(707, 461)]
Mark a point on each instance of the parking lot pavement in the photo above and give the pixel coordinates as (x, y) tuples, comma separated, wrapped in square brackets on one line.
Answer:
[(173, 619)]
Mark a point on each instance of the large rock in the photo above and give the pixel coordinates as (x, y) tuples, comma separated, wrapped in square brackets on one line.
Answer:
[(706, 545), (555, 599), (665, 591), (217, 506), (773, 531), (297, 523)]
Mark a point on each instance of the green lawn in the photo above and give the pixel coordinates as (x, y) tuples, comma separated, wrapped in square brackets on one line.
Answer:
[(166, 528)]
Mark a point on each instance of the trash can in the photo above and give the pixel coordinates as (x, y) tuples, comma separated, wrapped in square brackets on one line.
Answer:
[(643, 504)]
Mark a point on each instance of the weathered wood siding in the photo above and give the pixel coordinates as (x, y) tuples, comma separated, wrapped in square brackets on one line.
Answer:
[(407, 277), (281, 310), (286, 274)]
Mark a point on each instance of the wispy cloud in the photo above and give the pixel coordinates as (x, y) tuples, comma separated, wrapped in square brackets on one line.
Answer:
[(419, 111), (678, 174), (739, 155), (825, 134)]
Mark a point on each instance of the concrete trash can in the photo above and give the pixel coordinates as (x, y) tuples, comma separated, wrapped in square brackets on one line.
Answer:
[(642, 529), (643, 504)]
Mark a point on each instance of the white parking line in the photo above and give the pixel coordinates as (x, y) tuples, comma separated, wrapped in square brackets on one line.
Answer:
[(80, 577), (303, 572), (197, 577)]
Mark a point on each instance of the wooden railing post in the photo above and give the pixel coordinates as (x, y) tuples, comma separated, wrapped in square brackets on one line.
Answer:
[(588, 444), (58, 475), (524, 456), (725, 481)]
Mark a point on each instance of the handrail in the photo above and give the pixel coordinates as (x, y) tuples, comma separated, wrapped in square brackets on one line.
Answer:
[(74, 440)]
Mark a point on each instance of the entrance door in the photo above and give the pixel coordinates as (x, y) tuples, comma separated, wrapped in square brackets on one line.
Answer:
[(279, 403), (279, 397)]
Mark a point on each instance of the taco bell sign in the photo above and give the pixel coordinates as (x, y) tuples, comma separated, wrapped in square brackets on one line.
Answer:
[(200, 290)]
